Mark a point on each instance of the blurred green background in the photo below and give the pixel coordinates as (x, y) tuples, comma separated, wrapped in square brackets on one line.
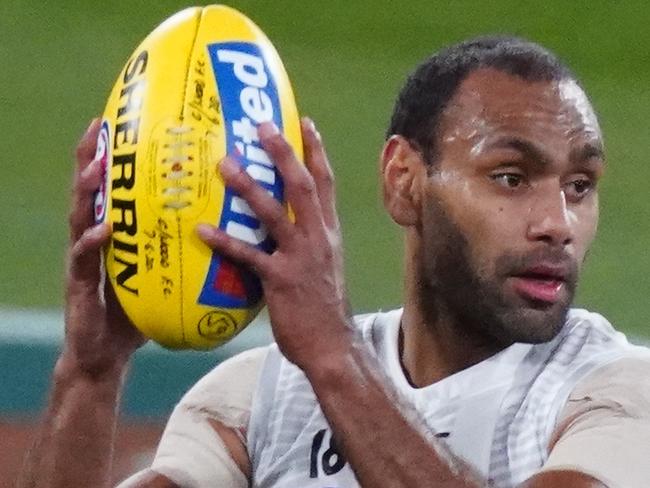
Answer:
[(347, 59), (59, 59)]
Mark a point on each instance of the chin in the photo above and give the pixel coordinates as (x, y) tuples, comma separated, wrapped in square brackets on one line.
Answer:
[(533, 324)]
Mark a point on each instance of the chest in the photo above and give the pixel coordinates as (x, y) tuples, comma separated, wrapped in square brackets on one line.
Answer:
[(299, 448), (498, 415)]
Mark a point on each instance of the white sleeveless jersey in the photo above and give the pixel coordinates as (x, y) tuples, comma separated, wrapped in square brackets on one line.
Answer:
[(497, 415)]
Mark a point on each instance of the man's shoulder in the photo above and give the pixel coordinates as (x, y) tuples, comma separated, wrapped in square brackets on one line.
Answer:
[(586, 342), (626, 364), (580, 317), (233, 379), (594, 329), (586, 347)]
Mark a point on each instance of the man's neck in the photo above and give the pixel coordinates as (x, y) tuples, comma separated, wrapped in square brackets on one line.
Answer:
[(432, 349), (432, 344)]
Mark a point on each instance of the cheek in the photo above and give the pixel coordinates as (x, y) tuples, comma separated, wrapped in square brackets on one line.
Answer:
[(493, 232), (585, 223), (488, 226)]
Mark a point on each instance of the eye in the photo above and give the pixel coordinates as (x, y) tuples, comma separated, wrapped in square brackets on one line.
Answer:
[(508, 180), (579, 188)]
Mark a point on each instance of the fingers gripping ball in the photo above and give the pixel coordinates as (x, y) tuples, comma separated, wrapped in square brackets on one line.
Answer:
[(194, 91)]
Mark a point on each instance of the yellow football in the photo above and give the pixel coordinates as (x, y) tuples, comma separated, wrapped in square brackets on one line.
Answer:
[(195, 90)]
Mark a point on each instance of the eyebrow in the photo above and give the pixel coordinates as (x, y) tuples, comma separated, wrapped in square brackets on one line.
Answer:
[(587, 152), (535, 153), (529, 149)]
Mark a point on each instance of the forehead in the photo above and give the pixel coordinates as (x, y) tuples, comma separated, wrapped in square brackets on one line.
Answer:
[(489, 103)]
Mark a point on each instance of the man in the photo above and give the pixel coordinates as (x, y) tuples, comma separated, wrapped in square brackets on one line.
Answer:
[(485, 378)]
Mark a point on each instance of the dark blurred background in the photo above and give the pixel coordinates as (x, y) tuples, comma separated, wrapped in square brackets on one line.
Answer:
[(59, 59)]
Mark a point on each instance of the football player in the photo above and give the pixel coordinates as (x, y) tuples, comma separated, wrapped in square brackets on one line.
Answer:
[(485, 377)]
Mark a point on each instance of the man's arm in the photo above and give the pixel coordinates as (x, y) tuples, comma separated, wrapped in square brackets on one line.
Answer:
[(204, 442), (305, 294), (76, 438), (75, 443), (604, 427)]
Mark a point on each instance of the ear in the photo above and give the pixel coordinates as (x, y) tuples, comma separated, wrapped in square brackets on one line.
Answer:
[(402, 170)]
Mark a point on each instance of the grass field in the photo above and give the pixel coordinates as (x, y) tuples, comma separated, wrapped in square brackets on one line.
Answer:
[(346, 60)]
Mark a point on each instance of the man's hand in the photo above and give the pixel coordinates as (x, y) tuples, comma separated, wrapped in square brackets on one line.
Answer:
[(303, 279), (74, 447), (99, 337)]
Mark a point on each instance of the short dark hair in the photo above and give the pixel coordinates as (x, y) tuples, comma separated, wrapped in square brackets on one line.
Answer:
[(427, 91)]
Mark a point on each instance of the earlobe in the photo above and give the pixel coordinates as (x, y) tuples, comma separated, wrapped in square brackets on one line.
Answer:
[(401, 170)]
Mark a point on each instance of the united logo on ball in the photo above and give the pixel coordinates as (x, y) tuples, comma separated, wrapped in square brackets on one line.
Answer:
[(194, 91)]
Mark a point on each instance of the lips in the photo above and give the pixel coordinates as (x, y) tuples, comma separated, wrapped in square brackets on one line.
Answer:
[(541, 283)]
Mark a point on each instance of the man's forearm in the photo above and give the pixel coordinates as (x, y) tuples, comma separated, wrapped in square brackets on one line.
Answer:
[(75, 443), (381, 442)]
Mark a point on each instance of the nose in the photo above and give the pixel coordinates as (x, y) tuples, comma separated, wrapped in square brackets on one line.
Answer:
[(549, 218)]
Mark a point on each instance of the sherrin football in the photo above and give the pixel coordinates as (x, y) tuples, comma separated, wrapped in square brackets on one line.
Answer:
[(195, 90)]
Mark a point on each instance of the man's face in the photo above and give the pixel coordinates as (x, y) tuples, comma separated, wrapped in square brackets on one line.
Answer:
[(510, 207)]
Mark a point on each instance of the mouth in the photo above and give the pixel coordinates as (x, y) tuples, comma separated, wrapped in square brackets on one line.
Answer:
[(543, 284)]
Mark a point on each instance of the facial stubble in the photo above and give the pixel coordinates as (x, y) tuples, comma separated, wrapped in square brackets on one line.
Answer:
[(459, 292)]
